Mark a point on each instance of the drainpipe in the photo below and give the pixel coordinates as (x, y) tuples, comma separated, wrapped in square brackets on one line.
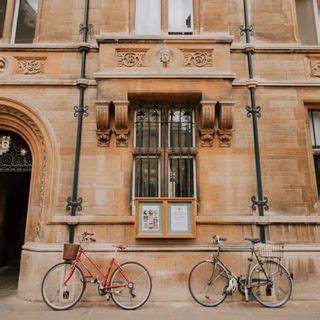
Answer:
[(74, 203), (254, 112)]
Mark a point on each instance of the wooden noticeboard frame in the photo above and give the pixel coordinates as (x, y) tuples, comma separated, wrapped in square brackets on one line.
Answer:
[(165, 218)]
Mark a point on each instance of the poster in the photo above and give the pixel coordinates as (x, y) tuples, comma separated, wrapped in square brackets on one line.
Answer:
[(179, 218), (150, 218)]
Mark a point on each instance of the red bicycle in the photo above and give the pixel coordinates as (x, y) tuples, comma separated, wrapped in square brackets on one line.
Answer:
[(129, 285)]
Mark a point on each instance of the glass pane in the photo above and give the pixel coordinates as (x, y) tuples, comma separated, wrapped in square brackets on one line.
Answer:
[(181, 180), (181, 128), (180, 18), (317, 169), (147, 128), (146, 177), (316, 123), (148, 17), (3, 6), (26, 23), (311, 129)]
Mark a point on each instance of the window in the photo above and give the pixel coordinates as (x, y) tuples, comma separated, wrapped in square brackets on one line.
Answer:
[(3, 7), (308, 21), (314, 124), (24, 21), (164, 141), (148, 17)]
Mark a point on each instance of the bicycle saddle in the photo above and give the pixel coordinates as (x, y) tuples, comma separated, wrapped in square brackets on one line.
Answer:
[(253, 240), (120, 246)]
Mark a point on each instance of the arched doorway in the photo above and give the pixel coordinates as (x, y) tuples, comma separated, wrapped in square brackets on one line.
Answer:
[(15, 174)]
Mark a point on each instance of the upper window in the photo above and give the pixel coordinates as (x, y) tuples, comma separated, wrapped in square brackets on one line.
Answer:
[(24, 21), (308, 21), (3, 7), (148, 17)]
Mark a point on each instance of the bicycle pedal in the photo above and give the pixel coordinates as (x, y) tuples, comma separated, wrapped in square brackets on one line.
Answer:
[(107, 296)]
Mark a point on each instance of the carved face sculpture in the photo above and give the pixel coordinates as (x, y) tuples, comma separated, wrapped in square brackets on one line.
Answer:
[(165, 56), (4, 144)]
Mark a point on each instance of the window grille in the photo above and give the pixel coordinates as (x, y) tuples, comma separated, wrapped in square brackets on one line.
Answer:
[(164, 163)]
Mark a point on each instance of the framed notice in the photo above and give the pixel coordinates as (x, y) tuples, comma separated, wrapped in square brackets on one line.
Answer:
[(179, 218), (165, 218)]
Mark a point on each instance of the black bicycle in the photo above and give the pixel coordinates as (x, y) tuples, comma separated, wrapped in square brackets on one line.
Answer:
[(268, 281)]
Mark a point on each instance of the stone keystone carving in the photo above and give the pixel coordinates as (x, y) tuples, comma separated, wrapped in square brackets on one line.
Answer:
[(165, 56), (131, 57), (197, 58), (30, 65), (315, 68)]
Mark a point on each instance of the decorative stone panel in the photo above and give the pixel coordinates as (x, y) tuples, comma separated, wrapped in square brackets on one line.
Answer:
[(225, 123), (315, 68), (197, 57), (30, 66), (3, 64), (103, 124), (208, 112), (131, 57), (121, 123)]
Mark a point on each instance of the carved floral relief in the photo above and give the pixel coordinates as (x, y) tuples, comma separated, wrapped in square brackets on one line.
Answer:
[(131, 57), (315, 68), (30, 66), (197, 58)]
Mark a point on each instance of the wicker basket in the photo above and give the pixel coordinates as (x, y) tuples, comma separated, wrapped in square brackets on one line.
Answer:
[(270, 250), (70, 251)]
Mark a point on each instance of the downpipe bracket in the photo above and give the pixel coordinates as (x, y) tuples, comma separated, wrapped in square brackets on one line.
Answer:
[(264, 203), (253, 110), (77, 204)]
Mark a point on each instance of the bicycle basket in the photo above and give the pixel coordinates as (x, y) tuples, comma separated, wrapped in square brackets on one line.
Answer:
[(270, 250), (70, 251)]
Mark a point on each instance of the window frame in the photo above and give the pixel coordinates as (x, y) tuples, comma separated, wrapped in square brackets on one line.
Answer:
[(164, 152)]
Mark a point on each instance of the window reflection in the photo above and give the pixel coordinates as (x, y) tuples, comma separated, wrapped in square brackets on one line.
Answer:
[(26, 22), (3, 6)]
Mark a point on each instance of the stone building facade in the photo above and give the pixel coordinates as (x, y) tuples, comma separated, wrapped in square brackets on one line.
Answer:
[(141, 56)]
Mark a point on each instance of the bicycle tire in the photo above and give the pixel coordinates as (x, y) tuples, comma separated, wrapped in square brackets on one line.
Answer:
[(58, 296), (206, 288), (276, 291), (131, 298)]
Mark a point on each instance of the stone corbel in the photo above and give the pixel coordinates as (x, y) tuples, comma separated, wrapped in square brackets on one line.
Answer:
[(121, 123), (208, 112), (103, 124), (225, 123)]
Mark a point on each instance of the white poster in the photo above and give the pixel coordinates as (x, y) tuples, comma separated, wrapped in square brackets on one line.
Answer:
[(179, 218), (150, 218)]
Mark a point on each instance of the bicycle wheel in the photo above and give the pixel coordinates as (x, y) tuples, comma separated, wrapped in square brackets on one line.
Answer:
[(55, 293), (207, 283), (138, 290), (271, 284)]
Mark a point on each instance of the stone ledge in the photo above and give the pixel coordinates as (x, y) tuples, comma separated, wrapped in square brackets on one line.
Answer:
[(43, 82), (187, 39), (276, 48), (201, 219), (190, 75), (107, 247), (278, 83), (46, 47)]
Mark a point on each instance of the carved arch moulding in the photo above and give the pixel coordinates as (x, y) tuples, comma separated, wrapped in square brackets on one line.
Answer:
[(28, 124)]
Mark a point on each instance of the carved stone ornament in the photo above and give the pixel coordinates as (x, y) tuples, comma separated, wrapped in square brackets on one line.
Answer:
[(3, 64), (225, 121), (131, 57), (197, 58), (165, 56), (122, 137), (30, 66), (315, 68), (121, 123), (5, 142), (206, 137), (208, 112), (103, 125)]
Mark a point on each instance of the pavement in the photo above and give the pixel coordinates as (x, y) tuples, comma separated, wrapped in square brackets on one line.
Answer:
[(12, 308)]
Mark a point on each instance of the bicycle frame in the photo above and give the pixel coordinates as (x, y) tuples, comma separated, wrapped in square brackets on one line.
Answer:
[(106, 277)]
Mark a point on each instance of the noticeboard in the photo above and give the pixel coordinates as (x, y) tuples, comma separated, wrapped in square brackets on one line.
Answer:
[(165, 218)]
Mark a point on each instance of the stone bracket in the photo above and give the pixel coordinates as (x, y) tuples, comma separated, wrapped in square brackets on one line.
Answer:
[(103, 124), (121, 123), (225, 123), (208, 112)]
